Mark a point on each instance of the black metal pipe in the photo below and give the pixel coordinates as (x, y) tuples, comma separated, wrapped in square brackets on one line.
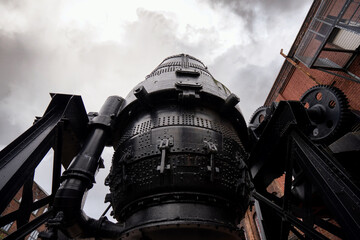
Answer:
[(143, 96), (80, 176), (86, 163)]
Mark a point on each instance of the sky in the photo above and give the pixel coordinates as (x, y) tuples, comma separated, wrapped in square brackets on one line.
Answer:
[(101, 48)]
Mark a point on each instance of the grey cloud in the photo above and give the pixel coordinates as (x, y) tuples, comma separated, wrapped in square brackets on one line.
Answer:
[(249, 69), (265, 10), (247, 80), (14, 56), (12, 4), (154, 37), (43, 58), (248, 8), (252, 83), (242, 8), (37, 61)]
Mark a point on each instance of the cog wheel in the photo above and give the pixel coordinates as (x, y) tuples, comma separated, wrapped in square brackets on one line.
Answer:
[(328, 110), (258, 117), (255, 127)]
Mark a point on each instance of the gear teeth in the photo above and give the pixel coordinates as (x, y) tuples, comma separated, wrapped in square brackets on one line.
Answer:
[(344, 113), (256, 112)]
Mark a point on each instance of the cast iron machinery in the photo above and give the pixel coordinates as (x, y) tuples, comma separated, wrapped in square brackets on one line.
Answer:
[(186, 166)]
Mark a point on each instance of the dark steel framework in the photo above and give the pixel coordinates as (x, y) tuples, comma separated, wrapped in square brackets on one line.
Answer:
[(316, 187), (61, 128)]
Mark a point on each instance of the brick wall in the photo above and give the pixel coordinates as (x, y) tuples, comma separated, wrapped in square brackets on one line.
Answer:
[(38, 194), (299, 83)]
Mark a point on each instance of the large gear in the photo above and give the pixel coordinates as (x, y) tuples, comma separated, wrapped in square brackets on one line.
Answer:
[(258, 117), (328, 109)]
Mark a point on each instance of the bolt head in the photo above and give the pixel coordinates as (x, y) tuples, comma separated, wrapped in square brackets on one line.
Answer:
[(316, 132)]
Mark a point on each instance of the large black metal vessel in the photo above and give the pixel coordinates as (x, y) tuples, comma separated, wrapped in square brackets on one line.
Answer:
[(180, 152)]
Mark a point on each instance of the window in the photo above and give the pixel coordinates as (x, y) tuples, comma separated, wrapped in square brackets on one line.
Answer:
[(346, 39), (33, 235), (7, 226), (333, 36)]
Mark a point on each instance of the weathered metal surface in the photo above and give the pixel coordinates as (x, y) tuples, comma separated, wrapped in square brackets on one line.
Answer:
[(179, 158)]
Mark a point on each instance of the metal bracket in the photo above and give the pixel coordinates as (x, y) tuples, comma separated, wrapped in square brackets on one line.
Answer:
[(212, 150), (189, 90), (164, 145), (188, 95)]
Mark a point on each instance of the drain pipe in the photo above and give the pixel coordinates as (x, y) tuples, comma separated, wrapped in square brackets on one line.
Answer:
[(80, 176)]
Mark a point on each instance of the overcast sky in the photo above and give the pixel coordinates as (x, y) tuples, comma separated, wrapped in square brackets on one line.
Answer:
[(100, 48)]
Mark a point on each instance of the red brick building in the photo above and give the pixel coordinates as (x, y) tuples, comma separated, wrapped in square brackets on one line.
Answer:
[(325, 51), (38, 193)]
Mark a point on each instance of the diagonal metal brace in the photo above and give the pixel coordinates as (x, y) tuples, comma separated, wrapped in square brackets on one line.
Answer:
[(20, 158), (341, 195)]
